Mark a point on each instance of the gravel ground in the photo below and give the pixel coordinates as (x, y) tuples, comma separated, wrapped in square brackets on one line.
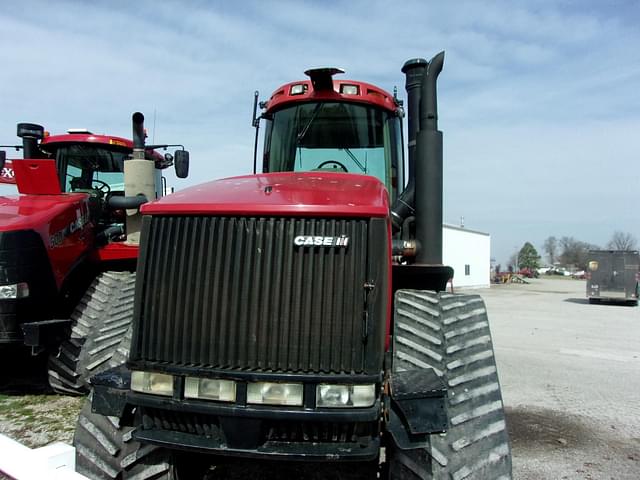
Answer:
[(570, 375), (29, 411)]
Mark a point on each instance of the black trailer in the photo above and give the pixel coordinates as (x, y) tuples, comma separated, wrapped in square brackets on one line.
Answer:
[(613, 275)]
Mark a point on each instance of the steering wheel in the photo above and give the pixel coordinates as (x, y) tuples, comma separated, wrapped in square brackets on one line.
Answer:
[(103, 187), (333, 162)]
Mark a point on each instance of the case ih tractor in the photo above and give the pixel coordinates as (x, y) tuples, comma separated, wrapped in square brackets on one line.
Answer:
[(69, 245), (301, 313)]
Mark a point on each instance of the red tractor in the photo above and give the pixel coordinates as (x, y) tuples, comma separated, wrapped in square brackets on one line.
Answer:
[(301, 313), (69, 244)]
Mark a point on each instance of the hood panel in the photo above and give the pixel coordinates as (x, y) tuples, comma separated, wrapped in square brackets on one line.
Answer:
[(32, 212), (62, 222), (303, 193)]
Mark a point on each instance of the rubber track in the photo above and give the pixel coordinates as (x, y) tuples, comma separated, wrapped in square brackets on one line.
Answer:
[(451, 334), (104, 450), (100, 324)]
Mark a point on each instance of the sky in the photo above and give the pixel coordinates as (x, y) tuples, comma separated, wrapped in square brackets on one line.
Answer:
[(539, 102)]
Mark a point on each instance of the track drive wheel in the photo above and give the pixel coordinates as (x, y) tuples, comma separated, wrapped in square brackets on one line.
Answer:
[(100, 334), (105, 450), (451, 334)]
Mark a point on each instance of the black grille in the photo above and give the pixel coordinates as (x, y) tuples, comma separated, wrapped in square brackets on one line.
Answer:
[(328, 432), (197, 424), (236, 293), (269, 431)]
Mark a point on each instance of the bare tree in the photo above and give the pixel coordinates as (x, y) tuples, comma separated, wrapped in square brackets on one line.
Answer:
[(575, 252), (551, 249), (513, 262), (622, 241)]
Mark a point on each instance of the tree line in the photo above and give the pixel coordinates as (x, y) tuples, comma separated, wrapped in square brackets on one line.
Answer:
[(568, 251)]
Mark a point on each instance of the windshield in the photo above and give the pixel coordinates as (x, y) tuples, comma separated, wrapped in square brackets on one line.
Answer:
[(84, 167), (337, 137)]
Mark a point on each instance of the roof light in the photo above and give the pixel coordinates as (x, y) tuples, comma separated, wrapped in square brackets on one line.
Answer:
[(298, 89), (79, 131), (347, 89)]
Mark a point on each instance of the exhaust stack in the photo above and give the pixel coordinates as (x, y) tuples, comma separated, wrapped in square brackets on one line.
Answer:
[(423, 196), (428, 169)]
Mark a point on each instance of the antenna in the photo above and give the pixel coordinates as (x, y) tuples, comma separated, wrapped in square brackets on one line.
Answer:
[(153, 136)]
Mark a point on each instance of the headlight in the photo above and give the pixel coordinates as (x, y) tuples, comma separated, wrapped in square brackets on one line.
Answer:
[(150, 382), (210, 389), (345, 396), (16, 290), (268, 393)]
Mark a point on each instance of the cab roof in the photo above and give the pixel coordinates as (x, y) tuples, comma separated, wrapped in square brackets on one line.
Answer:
[(343, 91), (109, 141)]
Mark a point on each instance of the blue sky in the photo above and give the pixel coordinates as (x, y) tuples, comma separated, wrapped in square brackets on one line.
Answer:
[(539, 101)]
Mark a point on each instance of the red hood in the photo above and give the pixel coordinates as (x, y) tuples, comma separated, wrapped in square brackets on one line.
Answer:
[(32, 212), (308, 193)]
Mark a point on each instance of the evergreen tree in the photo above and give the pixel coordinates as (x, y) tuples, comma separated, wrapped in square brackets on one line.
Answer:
[(528, 257)]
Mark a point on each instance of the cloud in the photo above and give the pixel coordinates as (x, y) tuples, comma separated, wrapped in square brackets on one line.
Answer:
[(545, 89)]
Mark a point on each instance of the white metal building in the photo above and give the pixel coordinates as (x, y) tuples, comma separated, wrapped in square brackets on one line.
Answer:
[(469, 253)]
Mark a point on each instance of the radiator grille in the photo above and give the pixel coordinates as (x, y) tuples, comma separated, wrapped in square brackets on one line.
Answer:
[(348, 432), (236, 293), (270, 431)]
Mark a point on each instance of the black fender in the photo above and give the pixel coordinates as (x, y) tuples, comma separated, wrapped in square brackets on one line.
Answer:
[(418, 407)]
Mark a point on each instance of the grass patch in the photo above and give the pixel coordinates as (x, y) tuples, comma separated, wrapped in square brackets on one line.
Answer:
[(37, 420)]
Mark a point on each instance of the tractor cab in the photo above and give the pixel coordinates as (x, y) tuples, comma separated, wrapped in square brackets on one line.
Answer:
[(328, 125), (116, 174), (94, 164)]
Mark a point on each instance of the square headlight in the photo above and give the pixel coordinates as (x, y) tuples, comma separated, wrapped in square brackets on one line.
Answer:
[(151, 382), (345, 396), (210, 389), (14, 291), (272, 393)]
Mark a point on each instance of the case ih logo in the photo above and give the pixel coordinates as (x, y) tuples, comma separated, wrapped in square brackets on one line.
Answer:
[(7, 173), (312, 241)]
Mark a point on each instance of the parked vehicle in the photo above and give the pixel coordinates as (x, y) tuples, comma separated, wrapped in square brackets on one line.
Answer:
[(69, 245), (613, 275)]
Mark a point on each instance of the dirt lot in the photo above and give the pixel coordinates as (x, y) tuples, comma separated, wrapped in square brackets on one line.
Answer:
[(29, 412), (570, 375)]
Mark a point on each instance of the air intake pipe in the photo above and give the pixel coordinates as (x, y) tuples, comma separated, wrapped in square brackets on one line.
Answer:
[(414, 71), (137, 120), (423, 196), (139, 181), (30, 133)]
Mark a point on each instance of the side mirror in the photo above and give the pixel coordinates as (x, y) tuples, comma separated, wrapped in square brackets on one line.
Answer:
[(181, 162), (3, 158)]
